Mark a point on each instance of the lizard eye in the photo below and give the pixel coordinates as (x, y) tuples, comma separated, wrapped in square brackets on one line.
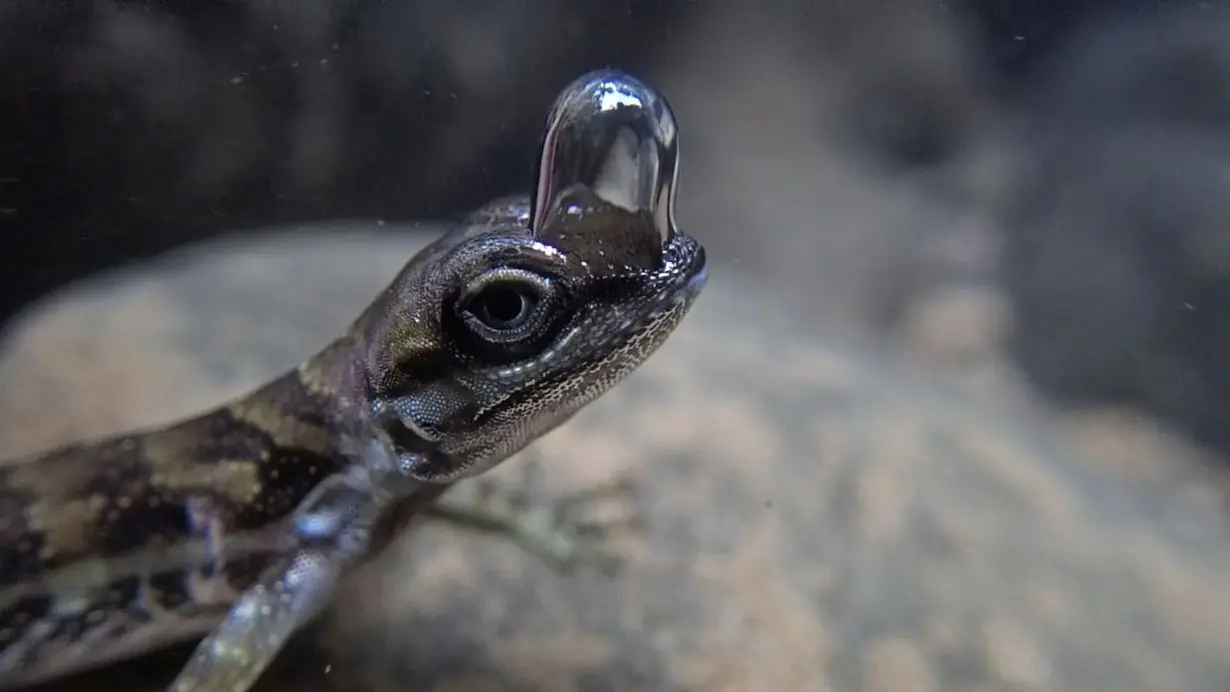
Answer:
[(506, 306)]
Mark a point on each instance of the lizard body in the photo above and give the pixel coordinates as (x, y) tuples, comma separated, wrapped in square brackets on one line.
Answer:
[(238, 522)]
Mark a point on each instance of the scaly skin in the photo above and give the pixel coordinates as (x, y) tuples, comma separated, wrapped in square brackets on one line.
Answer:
[(816, 517), (235, 525)]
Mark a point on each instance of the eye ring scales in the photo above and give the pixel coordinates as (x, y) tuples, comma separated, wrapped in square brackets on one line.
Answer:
[(483, 305), (615, 136)]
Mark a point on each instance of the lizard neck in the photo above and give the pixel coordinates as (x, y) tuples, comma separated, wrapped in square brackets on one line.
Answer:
[(316, 407), (333, 382)]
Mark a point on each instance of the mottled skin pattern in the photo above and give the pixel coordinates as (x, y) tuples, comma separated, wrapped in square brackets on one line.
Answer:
[(166, 501), (255, 508), (252, 461), (817, 517)]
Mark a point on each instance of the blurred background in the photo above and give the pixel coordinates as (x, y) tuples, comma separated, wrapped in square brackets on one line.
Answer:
[(1013, 192), (1024, 201)]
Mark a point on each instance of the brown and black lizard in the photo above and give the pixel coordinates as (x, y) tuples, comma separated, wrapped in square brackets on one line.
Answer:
[(235, 525)]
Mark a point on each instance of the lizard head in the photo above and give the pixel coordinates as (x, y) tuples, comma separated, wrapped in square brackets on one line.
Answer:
[(532, 308)]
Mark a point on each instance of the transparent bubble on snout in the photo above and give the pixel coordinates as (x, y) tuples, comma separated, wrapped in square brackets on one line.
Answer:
[(616, 137)]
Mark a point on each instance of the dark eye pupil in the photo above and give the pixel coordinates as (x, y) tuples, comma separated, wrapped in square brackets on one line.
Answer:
[(508, 314), (503, 307)]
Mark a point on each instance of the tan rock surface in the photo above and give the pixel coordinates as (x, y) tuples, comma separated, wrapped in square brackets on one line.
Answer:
[(819, 517)]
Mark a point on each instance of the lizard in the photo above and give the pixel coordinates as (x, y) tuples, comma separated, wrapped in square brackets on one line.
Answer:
[(235, 525)]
